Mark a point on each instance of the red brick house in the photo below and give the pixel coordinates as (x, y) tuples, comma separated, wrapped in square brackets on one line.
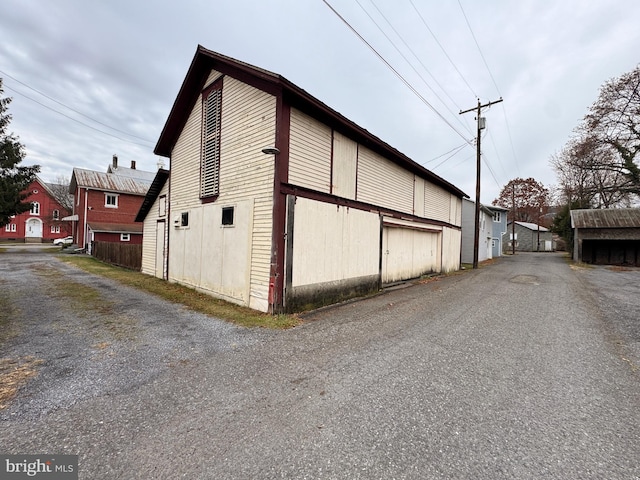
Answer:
[(43, 223), (105, 204)]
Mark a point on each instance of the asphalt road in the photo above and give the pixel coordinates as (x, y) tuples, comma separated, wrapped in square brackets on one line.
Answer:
[(523, 369)]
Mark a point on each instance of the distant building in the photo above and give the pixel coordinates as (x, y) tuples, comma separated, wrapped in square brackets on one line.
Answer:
[(43, 222), (529, 237), (499, 228), (485, 250), (105, 204)]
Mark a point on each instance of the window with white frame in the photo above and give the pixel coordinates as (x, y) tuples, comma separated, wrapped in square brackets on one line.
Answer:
[(211, 129), (35, 208), (10, 227), (55, 228), (125, 237), (111, 200), (497, 217), (56, 214)]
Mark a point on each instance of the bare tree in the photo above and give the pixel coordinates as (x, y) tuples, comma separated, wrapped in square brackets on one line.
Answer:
[(614, 121), (528, 197), (60, 190)]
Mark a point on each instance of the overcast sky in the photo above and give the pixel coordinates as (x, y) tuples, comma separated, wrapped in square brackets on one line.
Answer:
[(93, 79)]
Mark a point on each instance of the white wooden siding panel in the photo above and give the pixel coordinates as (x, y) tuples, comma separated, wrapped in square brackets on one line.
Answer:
[(383, 183), (437, 203), (309, 152), (451, 244), (333, 243), (418, 197), (345, 152)]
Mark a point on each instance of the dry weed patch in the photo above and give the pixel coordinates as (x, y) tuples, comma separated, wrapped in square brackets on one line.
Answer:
[(14, 373)]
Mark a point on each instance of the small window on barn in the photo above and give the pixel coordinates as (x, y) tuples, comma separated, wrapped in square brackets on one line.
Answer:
[(111, 200), (211, 129), (162, 206), (184, 219), (56, 214), (125, 237), (35, 208), (227, 216)]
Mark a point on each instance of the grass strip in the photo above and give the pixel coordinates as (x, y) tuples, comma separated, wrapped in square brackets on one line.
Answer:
[(189, 297)]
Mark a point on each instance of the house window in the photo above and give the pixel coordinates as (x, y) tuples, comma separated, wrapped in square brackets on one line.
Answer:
[(56, 214), (184, 219), (210, 156), (35, 208), (10, 227), (111, 200), (125, 237), (55, 228), (497, 217), (227, 216)]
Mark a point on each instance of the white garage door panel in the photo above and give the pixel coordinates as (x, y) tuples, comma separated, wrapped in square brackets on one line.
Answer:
[(408, 253)]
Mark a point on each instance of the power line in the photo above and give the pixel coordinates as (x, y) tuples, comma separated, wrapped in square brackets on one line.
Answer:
[(479, 49), (416, 57), (442, 48), (70, 108), (397, 74), (74, 119), (495, 84)]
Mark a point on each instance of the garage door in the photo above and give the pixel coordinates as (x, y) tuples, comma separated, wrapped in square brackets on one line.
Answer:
[(408, 253), (611, 252)]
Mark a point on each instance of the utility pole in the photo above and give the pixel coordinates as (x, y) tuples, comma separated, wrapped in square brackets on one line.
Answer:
[(481, 125)]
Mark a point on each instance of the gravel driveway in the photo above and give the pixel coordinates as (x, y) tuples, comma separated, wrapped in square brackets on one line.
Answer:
[(522, 369)]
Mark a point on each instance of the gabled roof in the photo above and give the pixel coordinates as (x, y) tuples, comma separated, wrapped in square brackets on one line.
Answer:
[(152, 194), (206, 60), (606, 218), (107, 182), (532, 226)]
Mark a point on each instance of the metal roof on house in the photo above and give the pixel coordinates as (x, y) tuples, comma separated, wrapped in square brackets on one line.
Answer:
[(115, 227), (532, 226), (606, 218), (109, 182), (132, 173)]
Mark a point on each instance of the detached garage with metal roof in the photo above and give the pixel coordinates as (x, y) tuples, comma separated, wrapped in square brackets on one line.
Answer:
[(606, 236)]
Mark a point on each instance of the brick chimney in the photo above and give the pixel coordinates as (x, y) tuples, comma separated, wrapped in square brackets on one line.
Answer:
[(115, 161), (133, 164)]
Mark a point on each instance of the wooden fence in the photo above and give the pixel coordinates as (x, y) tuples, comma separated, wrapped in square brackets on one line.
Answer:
[(121, 254)]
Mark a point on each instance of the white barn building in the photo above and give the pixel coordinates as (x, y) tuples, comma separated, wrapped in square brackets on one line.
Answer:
[(330, 212)]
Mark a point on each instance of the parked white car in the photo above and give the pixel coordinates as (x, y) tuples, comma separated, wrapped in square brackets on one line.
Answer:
[(63, 241)]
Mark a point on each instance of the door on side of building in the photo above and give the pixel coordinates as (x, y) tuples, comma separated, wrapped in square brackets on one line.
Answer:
[(161, 237)]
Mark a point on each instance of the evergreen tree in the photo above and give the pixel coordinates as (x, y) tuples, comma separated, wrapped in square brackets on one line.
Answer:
[(14, 179)]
